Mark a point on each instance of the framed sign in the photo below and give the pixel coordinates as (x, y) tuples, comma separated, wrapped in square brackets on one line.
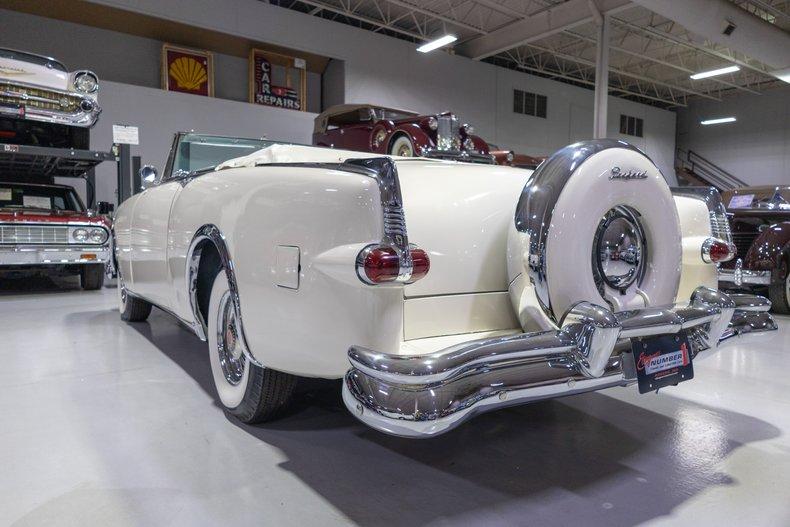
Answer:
[(187, 70), (278, 80)]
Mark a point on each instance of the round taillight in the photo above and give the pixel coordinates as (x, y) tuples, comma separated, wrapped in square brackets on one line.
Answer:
[(381, 265), (421, 264), (717, 251)]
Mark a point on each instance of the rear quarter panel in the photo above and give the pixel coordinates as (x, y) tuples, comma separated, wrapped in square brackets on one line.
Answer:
[(330, 215), (695, 229)]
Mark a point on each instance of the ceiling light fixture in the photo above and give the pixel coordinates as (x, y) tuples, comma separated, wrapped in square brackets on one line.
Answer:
[(718, 121), (438, 43), (713, 73)]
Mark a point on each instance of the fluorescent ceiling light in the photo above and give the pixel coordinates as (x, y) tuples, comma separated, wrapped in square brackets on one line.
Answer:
[(719, 120), (713, 73), (436, 44)]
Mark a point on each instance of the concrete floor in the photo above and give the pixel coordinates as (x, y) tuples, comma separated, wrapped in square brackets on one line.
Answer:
[(106, 423)]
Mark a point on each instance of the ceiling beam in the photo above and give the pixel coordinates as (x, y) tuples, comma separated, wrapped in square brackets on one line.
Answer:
[(752, 36), (362, 18), (438, 16), (625, 73), (535, 27), (591, 83), (662, 62)]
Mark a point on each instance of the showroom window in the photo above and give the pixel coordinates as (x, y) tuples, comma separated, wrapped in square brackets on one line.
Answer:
[(631, 125), (529, 103)]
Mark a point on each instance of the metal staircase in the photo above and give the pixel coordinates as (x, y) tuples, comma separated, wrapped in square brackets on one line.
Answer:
[(695, 170)]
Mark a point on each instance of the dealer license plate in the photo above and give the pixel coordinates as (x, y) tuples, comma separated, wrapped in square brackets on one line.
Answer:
[(662, 361)]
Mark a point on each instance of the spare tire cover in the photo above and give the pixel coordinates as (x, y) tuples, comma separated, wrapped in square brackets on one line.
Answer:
[(563, 210)]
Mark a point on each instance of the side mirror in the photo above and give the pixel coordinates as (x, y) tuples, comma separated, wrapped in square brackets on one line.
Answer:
[(148, 175), (104, 207)]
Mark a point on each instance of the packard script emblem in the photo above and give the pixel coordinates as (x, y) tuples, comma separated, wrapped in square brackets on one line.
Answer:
[(616, 173)]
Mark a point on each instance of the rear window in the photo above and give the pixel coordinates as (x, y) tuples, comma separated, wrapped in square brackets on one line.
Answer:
[(38, 197)]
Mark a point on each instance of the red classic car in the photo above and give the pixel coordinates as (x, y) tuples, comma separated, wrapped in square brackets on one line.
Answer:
[(369, 128), (760, 220), (46, 228)]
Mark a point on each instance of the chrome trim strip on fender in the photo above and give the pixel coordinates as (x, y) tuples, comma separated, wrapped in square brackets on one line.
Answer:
[(538, 199)]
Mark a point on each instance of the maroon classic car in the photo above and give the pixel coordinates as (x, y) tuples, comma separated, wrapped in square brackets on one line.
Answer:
[(46, 228), (370, 128), (511, 159), (760, 219)]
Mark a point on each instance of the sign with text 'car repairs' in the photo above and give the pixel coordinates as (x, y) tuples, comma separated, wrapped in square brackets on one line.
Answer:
[(265, 66)]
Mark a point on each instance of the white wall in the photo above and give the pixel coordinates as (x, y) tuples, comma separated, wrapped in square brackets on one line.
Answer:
[(755, 148), (375, 69)]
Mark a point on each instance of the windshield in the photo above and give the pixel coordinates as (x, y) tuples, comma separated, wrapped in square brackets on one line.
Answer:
[(198, 151), (775, 198), (18, 196), (391, 115)]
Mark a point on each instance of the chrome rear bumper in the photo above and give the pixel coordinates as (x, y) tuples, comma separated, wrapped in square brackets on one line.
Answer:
[(426, 395)]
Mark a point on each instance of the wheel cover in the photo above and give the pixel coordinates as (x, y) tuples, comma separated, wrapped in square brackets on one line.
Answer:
[(619, 250), (404, 150), (230, 349)]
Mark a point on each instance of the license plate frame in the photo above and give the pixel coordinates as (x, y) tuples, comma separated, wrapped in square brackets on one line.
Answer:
[(663, 360)]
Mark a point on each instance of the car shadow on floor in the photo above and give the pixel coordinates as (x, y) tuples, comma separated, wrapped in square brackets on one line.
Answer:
[(589, 458), (23, 284)]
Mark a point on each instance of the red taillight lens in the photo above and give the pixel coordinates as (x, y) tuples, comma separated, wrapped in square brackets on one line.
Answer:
[(381, 265), (421, 263), (715, 251)]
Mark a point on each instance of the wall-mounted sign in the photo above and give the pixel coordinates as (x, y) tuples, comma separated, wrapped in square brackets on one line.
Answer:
[(125, 134), (278, 80), (187, 70)]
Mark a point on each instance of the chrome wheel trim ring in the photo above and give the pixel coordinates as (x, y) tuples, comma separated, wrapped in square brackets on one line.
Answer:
[(230, 350), (405, 150), (619, 250)]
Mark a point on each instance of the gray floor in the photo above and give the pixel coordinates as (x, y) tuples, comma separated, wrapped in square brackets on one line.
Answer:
[(105, 423)]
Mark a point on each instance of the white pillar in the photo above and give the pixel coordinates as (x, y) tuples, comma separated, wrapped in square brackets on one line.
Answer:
[(601, 78)]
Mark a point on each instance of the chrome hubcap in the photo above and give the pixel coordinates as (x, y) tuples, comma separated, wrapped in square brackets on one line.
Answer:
[(404, 151), (619, 249), (229, 346)]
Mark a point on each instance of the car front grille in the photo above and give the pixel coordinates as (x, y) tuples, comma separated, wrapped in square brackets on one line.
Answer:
[(34, 234), (743, 241), (38, 98), (448, 135)]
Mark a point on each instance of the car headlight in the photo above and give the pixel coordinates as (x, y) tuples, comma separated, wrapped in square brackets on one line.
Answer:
[(98, 235), (433, 124), (86, 82), (80, 235)]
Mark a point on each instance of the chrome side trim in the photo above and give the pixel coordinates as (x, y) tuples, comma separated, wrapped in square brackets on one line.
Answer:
[(426, 395), (538, 199), (211, 234), (740, 276)]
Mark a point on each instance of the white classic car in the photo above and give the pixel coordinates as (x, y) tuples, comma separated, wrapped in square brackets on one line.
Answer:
[(38, 89), (435, 289)]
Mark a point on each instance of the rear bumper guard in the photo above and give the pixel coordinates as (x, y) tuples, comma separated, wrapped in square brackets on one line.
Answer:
[(426, 395)]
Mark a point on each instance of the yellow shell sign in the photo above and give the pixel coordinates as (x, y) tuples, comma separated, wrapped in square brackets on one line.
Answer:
[(188, 71)]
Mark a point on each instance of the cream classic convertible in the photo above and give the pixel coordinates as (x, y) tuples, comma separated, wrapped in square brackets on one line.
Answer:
[(434, 289)]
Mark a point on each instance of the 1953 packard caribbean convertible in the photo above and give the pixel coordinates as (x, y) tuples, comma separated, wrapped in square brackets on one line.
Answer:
[(433, 289)]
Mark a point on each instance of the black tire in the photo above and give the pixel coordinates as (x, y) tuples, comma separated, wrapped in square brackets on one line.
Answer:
[(779, 290), (132, 309), (258, 394), (92, 277)]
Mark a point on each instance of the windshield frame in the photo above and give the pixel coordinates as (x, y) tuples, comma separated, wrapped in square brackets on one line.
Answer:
[(170, 174)]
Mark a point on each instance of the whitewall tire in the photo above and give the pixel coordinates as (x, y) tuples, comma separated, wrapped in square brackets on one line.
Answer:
[(402, 146), (249, 392)]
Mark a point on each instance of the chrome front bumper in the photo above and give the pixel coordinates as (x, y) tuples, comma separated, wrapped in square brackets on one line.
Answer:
[(740, 276), (426, 395), (18, 255)]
